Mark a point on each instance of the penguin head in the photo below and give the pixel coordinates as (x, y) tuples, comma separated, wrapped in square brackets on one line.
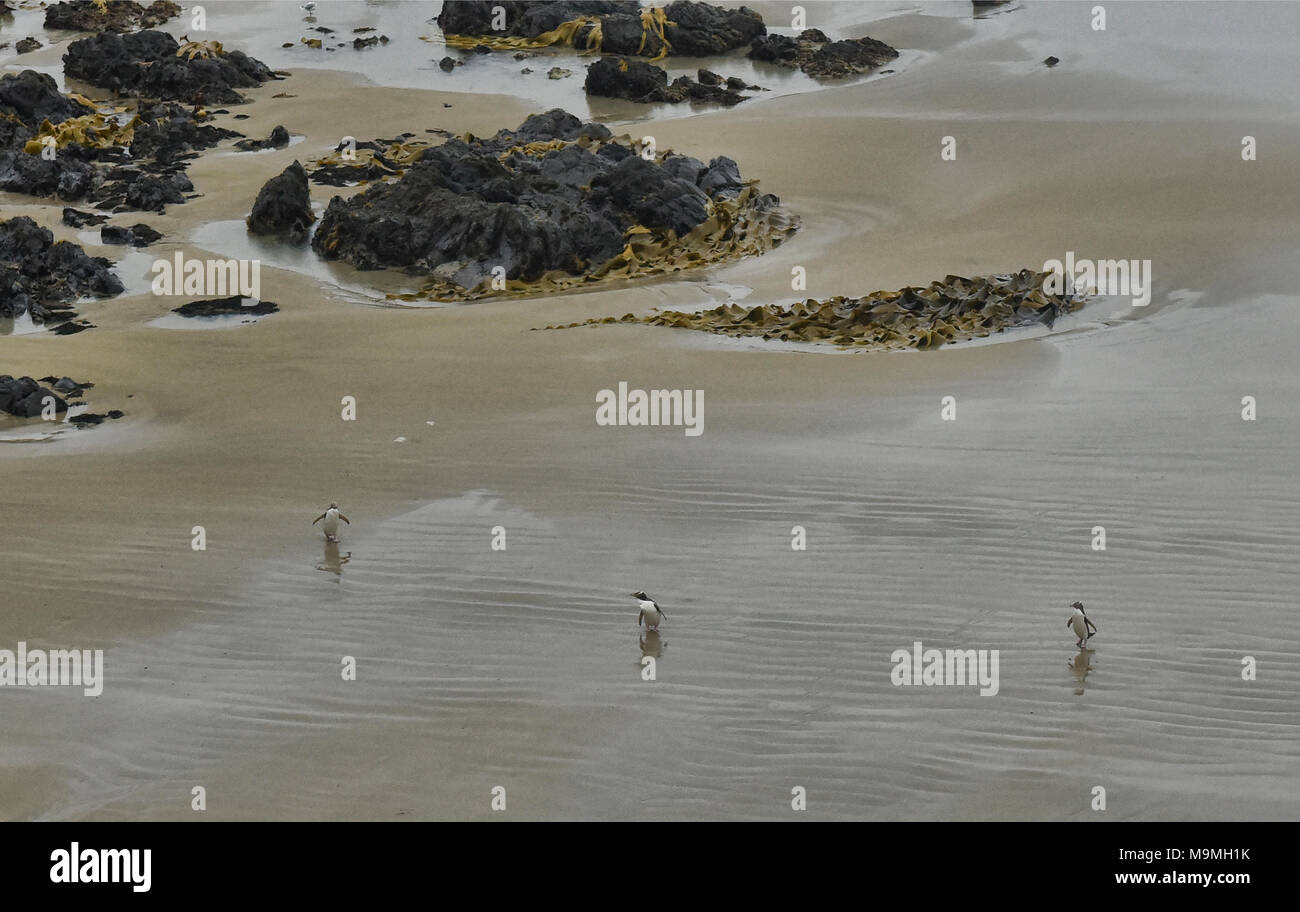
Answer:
[(333, 506), (640, 595), (1077, 606)]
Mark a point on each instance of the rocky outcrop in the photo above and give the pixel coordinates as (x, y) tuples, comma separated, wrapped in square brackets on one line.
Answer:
[(40, 277), (216, 307), (554, 198), (115, 163), (703, 30), (637, 80), (113, 16), (820, 57), (684, 27), (278, 139), (152, 64), (26, 398), (283, 206), (139, 235)]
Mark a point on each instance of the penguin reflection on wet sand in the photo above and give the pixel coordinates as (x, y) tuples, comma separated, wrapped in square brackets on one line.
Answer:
[(331, 526), (1081, 624), (333, 560), (651, 614), (652, 644), (1081, 664)]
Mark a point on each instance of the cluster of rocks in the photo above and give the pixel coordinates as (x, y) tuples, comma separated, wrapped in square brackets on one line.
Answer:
[(138, 235), (119, 165), (153, 64), (113, 16), (41, 277), (278, 139), (956, 309), (283, 206), (556, 197), (27, 398), (637, 80), (358, 43), (685, 28), (818, 56), (625, 29)]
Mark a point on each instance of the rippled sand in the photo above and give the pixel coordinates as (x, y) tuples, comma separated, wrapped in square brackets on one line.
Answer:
[(521, 668)]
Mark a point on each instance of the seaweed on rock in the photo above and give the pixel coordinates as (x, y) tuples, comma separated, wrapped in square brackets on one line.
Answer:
[(551, 205)]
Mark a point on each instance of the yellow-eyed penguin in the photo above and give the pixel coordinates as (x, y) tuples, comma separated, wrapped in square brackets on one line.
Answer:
[(651, 614), (1081, 624), (331, 526)]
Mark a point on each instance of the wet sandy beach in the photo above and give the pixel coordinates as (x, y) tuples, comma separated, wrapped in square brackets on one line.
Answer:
[(522, 667)]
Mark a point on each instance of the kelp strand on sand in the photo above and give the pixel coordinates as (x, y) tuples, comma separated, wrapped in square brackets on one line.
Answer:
[(954, 310), (586, 29)]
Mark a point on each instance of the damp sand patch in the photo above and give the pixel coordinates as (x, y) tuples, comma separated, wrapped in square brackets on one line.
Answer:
[(549, 207), (958, 309)]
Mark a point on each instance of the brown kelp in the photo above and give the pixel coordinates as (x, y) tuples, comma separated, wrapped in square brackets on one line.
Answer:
[(954, 310)]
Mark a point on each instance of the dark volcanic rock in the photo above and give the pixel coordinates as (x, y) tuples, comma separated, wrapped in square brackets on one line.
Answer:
[(283, 205), (77, 219), (32, 97), (466, 207), (120, 15), (28, 398), (636, 80), (147, 64), (1052, 61), (654, 198), (146, 175), (818, 57), (27, 45), (278, 139), (703, 30), (215, 307), (38, 276), (447, 64), (690, 28), (524, 19), (140, 235)]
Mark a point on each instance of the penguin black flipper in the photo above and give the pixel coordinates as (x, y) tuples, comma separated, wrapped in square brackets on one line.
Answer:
[(318, 519)]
